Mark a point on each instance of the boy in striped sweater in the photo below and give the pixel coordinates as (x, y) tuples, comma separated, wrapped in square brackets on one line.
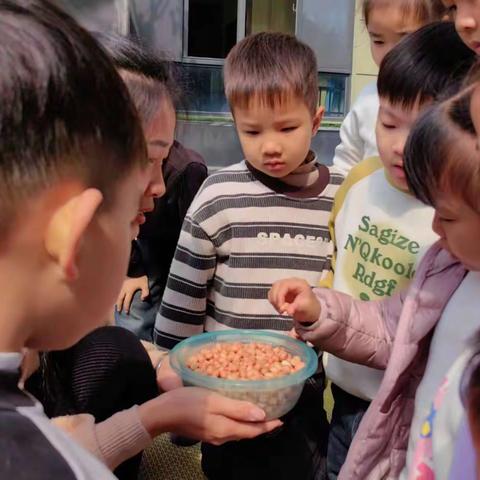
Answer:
[(251, 224)]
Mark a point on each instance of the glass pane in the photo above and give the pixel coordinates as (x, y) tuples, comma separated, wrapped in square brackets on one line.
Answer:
[(203, 86), (270, 16), (212, 27), (332, 88)]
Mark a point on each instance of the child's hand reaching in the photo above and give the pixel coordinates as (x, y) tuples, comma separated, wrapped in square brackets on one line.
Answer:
[(129, 287), (294, 297)]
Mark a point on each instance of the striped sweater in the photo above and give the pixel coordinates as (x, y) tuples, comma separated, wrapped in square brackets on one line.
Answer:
[(243, 232)]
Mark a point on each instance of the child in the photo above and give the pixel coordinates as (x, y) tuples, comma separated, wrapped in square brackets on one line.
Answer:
[(249, 224), (466, 15), (73, 172), (435, 451), (152, 87), (380, 230), (415, 334), (387, 23)]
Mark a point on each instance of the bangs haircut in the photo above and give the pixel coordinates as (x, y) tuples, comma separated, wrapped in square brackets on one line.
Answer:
[(148, 77), (426, 65), (271, 68), (420, 11), (441, 153), (66, 114)]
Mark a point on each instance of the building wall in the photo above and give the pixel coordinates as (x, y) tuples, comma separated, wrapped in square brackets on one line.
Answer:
[(220, 147), (364, 70), (323, 24)]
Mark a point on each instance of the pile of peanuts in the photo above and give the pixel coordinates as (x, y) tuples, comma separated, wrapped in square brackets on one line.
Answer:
[(244, 361)]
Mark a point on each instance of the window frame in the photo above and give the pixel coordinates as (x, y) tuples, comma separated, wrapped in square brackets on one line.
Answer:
[(329, 121), (241, 13)]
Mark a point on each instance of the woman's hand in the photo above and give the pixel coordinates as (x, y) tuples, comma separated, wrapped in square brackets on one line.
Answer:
[(204, 415), (129, 287), (167, 379)]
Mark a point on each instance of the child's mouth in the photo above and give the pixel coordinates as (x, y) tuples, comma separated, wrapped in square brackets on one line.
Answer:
[(140, 218), (475, 46), (274, 166), (398, 171)]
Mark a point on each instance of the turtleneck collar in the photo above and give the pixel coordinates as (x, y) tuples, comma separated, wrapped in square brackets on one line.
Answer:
[(308, 180)]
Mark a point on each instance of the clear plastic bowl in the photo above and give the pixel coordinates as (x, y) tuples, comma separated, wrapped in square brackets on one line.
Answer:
[(275, 396)]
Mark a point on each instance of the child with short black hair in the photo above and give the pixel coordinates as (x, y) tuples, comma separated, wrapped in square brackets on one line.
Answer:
[(251, 223), (73, 175), (73, 171)]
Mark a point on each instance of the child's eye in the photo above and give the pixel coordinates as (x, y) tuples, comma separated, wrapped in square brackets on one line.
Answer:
[(251, 132), (378, 42), (388, 126), (288, 129)]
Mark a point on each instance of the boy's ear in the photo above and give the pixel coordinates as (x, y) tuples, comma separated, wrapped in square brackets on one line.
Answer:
[(317, 119), (67, 228)]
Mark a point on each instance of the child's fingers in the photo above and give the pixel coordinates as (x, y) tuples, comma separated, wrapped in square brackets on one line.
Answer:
[(287, 309), (128, 301), (272, 295), (279, 292), (145, 292), (120, 300), (247, 430)]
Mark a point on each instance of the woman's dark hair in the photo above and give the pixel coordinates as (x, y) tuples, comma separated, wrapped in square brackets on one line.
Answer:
[(441, 153), (148, 77), (428, 64)]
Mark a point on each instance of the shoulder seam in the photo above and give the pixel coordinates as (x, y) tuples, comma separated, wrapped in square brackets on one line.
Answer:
[(359, 172)]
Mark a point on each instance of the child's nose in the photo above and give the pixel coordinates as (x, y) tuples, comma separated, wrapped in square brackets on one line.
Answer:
[(156, 188), (271, 148), (464, 20), (398, 147)]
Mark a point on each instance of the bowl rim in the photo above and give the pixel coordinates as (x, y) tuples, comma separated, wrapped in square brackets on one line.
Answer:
[(190, 376)]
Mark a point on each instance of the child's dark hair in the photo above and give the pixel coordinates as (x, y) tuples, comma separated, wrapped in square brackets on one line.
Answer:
[(441, 153), (420, 11), (65, 111), (426, 65), (271, 67), (148, 78)]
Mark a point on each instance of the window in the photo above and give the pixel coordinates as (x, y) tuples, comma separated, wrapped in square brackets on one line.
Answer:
[(270, 16), (211, 29), (332, 92), (203, 85)]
